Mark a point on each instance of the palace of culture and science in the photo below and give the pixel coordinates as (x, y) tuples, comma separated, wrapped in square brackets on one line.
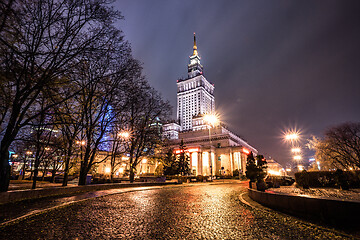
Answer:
[(213, 149)]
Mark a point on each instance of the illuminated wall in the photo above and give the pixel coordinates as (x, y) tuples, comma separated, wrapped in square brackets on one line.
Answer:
[(205, 161), (194, 163)]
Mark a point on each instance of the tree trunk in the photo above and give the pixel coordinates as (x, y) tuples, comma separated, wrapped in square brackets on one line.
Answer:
[(66, 173), (24, 169), (36, 173), (53, 172), (132, 174), (82, 177), (43, 172), (67, 163), (112, 176), (31, 171), (4, 169), (36, 168)]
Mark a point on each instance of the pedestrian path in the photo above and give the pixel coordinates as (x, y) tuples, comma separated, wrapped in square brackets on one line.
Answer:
[(12, 212)]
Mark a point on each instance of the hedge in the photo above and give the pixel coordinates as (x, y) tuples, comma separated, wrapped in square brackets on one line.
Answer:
[(337, 179)]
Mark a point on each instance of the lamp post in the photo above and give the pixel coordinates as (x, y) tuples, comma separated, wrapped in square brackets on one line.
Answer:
[(293, 136), (82, 144), (125, 136), (211, 120), (28, 153)]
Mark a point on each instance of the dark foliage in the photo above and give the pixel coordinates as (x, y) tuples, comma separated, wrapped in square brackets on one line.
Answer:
[(338, 179)]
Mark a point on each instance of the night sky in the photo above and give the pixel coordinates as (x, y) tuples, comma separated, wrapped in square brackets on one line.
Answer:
[(275, 64)]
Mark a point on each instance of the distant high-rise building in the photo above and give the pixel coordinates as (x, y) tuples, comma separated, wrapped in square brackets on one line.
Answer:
[(195, 94), (213, 149)]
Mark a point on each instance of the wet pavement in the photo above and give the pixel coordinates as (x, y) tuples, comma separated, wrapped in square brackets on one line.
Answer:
[(196, 211)]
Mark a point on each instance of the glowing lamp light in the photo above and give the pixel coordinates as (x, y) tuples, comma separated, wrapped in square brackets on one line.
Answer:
[(273, 172), (144, 160), (300, 168), (107, 170), (295, 150), (81, 142), (211, 119), (28, 153), (292, 135), (246, 151), (297, 158), (15, 155), (288, 169), (191, 150), (124, 134), (121, 170)]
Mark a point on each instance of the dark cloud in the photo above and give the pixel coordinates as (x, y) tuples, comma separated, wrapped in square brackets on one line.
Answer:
[(275, 64)]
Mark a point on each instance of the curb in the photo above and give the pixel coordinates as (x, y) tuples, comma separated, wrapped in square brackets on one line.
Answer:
[(332, 211), (266, 209)]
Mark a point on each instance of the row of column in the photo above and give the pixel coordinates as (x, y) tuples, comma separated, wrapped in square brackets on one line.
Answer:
[(207, 163)]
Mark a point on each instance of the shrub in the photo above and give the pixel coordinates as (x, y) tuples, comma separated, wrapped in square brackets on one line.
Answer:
[(339, 179)]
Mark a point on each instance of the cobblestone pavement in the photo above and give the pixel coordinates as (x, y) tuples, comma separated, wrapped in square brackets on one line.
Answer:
[(200, 211)]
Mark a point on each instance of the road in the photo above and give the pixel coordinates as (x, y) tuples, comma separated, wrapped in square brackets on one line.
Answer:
[(196, 211)]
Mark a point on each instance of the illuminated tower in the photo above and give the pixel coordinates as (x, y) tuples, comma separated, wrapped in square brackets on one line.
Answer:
[(195, 94)]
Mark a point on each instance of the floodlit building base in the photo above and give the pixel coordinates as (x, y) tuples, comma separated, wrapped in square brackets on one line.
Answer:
[(214, 152)]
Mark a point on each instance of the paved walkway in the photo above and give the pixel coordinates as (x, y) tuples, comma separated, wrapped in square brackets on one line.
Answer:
[(11, 212), (190, 211)]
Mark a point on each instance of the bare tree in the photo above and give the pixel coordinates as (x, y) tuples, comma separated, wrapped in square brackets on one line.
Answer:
[(6, 13), (117, 143), (340, 147), (39, 46), (146, 109), (43, 131), (102, 78)]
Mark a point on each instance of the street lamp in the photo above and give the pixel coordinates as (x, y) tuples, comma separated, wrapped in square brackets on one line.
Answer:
[(124, 135), (27, 153), (295, 150), (82, 144), (292, 136), (211, 120)]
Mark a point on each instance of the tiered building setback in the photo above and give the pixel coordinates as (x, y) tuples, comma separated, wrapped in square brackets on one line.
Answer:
[(195, 94), (213, 149)]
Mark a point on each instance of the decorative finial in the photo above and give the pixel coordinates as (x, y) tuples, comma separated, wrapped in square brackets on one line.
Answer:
[(195, 47)]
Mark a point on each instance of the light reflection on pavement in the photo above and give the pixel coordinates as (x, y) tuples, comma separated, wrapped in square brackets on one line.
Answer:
[(196, 211)]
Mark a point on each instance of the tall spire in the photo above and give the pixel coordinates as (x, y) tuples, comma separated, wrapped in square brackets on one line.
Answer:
[(195, 47), (195, 68)]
